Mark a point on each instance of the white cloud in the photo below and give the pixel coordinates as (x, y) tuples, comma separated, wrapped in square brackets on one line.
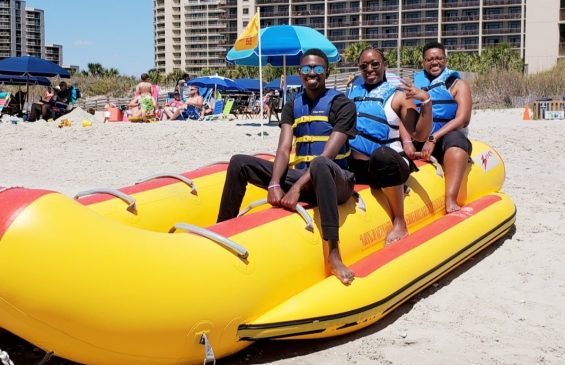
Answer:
[(83, 43)]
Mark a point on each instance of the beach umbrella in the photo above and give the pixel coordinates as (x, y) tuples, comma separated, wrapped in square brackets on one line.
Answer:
[(249, 84), (283, 45), (216, 82), (31, 66), (23, 80), (28, 66)]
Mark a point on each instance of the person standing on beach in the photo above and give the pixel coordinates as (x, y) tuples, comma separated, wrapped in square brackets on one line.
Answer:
[(320, 175), (376, 157), (452, 103)]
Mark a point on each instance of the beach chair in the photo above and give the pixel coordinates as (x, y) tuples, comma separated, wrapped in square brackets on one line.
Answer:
[(226, 110), (4, 101)]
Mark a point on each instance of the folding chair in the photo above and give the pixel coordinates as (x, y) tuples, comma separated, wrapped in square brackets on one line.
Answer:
[(225, 112)]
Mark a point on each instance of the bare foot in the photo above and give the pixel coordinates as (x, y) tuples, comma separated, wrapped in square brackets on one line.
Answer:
[(451, 206), (342, 272), (398, 232)]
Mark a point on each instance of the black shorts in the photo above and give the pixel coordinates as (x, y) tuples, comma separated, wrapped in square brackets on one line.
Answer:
[(451, 139), (384, 169)]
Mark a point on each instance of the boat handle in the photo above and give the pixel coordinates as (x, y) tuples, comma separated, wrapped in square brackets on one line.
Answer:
[(299, 209), (179, 177), (223, 241), (118, 194)]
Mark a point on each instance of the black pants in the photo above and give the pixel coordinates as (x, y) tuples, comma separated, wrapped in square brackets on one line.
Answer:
[(384, 169), (330, 185)]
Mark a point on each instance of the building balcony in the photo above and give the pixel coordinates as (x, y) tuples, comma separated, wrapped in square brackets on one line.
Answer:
[(460, 19), (381, 8), (501, 16), (426, 20), (562, 49), (270, 2), (501, 2), (274, 14), (419, 6), (387, 22), (343, 24), (501, 31), (562, 15), (419, 34), (461, 4), (308, 13), (341, 38), (348, 10), (462, 33), (461, 47)]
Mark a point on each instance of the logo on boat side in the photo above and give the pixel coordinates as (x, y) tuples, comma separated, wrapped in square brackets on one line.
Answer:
[(487, 160)]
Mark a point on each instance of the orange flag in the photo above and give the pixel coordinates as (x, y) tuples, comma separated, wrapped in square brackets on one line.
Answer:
[(250, 36)]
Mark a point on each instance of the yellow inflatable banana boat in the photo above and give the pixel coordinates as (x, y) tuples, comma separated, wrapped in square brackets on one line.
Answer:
[(142, 275)]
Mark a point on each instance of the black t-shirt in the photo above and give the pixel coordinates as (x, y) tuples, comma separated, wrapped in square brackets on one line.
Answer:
[(342, 115)]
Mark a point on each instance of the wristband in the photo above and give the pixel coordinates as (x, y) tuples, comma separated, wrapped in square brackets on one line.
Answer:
[(406, 142), (426, 101), (272, 186)]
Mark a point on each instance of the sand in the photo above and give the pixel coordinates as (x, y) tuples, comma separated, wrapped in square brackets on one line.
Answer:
[(505, 306)]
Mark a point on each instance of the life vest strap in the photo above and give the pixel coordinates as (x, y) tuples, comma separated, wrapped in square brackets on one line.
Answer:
[(310, 119), (376, 140), (309, 158), (306, 139)]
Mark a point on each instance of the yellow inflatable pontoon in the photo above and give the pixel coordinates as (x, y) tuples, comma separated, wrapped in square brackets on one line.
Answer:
[(142, 275)]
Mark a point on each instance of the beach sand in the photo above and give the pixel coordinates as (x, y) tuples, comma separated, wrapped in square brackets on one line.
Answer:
[(504, 306)]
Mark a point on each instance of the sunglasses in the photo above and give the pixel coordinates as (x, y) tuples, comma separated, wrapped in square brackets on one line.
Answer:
[(374, 65), (318, 69)]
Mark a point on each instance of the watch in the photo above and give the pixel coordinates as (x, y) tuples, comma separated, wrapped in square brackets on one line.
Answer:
[(431, 138)]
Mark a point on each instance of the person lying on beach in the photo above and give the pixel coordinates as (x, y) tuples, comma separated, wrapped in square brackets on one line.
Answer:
[(320, 175), (452, 104), (377, 158)]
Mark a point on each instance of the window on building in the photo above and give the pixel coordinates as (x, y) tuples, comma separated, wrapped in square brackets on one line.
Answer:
[(245, 11)]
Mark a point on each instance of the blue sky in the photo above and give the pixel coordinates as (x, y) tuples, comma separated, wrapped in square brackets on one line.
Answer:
[(114, 33)]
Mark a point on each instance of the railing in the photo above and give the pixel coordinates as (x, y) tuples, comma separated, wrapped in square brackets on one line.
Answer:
[(461, 4), (501, 2), (420, 20), (344, 10), (501, 31), (461, 18), (419, 6), (501, 16)]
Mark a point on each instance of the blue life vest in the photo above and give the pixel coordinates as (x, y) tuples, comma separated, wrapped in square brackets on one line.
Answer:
[(312, 129), (373, 128), (444, 106)]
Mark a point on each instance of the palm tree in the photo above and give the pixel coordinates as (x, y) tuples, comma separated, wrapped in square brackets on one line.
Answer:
[(353, 51), (95, 69)]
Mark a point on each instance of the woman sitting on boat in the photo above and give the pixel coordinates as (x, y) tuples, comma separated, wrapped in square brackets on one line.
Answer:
[(377, 158)]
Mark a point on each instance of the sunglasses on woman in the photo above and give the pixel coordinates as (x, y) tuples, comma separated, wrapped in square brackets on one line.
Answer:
[(374, 65), (318, 69)]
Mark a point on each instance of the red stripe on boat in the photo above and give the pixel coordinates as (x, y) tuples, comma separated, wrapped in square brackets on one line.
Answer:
[(13, 201), (371, 263)]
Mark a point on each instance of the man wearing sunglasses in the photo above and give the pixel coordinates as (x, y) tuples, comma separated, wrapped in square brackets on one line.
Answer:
[(377, 157), (452, 104), (320, 121)]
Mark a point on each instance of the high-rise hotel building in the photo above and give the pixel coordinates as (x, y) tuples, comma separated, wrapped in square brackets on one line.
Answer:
[(22, 32), (195, 34)]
